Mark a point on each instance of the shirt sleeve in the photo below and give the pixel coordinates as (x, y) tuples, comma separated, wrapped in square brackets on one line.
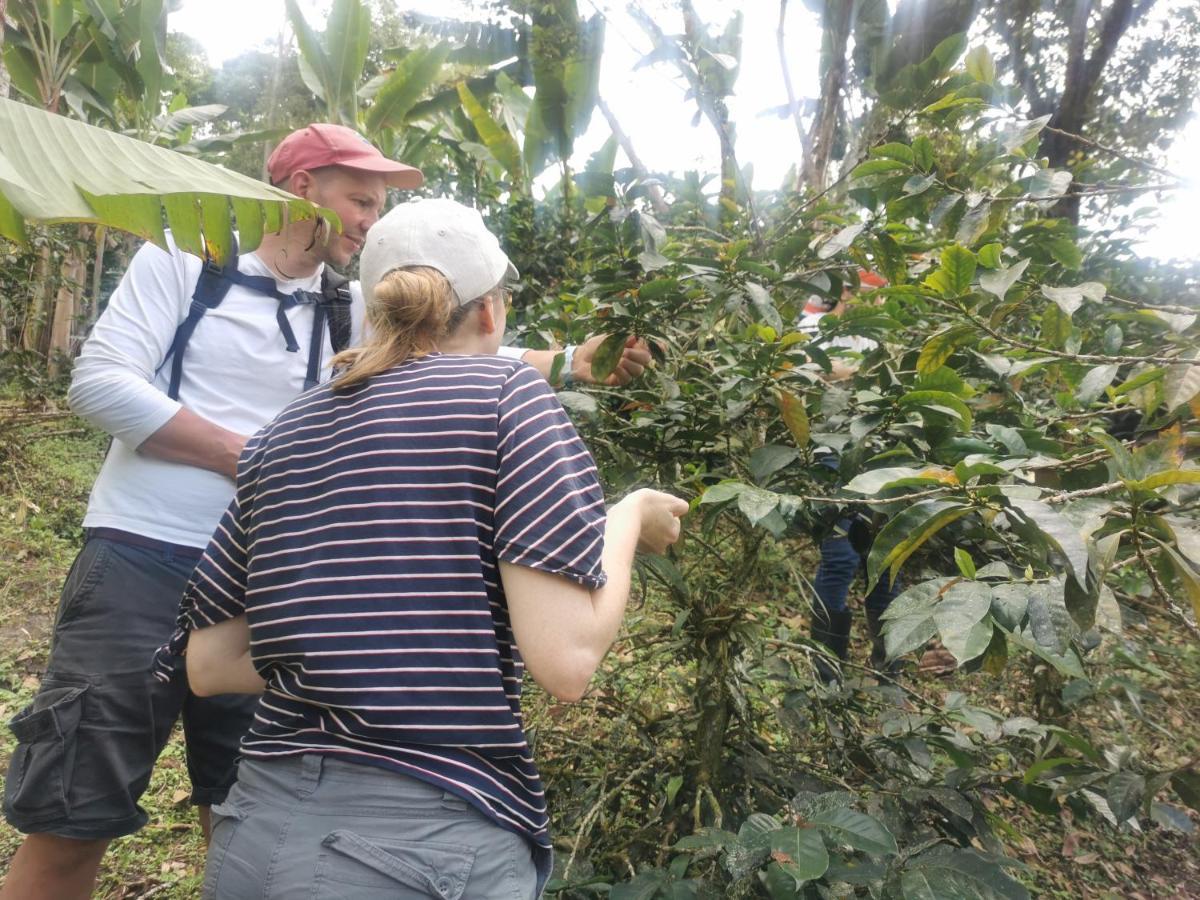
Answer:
[(512, 352), (217, 589), (112, 380), (549, 505)]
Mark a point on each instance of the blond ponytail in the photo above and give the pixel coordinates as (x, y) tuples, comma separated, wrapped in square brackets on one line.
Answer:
[(412, 308)]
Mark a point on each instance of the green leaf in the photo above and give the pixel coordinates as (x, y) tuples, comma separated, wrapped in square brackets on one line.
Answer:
[(840, 241), (941, 347), (1186, 783), (1182, 384), (1021, 133), (957, 874), (1056, 326), (962, 620), (980, 65), (791, 408), (1070, 299), (1065, 251), (940, 400), (965, 564), (953, 278), (918, 184), (760, 299), (1124, 794), (405, 86), (800, 852), (314, 64), (999, 282), (608, 355), (1161, 479), (906, 532), (896, 151), (877, 167), (990, 256), (1187, 576), (857, 830), (60, 162), (1059, 533), (499, 142), (347, 34), (1094, 383), (972, 225), (578, 403), (756, 504), (766, 461), (923, 153)]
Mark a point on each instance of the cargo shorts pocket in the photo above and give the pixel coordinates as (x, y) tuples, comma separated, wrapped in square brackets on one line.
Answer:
[(39, 776), (353, 866)]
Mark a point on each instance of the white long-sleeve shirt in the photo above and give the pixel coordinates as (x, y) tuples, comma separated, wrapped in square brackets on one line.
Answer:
[(237, 373)]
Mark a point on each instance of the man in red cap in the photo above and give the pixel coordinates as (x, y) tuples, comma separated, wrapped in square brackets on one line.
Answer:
[(254, 334)]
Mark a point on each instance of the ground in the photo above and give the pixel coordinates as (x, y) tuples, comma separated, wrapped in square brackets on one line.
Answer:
[(46, 469)]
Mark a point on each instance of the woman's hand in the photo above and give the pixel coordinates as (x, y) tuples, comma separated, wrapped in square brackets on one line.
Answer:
[(658, 516)]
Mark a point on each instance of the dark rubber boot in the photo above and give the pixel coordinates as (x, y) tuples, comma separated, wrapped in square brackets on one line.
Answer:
[(833, 630), (879, 660)]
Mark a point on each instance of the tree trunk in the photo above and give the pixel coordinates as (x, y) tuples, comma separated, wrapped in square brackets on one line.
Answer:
[(713, 703), (824, 129), (38, 311), (70, 290), (1082, 77), (4, 77)]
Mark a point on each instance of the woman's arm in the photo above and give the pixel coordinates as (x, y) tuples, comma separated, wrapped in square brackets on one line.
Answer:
[(563, 629), (218, 660)]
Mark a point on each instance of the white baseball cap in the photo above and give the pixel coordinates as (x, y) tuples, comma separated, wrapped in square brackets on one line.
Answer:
[(441, 234)]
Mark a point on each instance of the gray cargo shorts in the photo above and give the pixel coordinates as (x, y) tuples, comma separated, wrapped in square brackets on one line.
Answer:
[(319, 827), (87, 744)]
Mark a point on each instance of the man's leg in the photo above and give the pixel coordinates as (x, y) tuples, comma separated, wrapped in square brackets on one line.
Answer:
[(877, 602), (87, 744), (213, 728), (831, 616), (55, 868)]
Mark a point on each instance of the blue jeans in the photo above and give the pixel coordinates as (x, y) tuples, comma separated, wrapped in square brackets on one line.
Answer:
[(840, 564)]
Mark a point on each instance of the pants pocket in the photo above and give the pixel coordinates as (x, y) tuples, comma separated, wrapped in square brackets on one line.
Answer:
[(39, 776), (226, 817), (353, 867)]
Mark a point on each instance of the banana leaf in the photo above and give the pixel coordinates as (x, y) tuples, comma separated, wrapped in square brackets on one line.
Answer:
[(54, 169)]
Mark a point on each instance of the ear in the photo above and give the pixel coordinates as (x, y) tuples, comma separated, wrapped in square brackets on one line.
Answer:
[(301, 183), (488, 322)]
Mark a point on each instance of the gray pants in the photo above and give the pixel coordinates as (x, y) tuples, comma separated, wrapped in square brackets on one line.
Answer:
[(320, 828)]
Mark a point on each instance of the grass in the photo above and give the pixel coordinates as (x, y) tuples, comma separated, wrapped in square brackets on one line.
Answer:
[(48, 469)]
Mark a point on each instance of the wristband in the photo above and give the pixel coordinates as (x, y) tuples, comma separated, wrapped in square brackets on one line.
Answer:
[(568, 362)]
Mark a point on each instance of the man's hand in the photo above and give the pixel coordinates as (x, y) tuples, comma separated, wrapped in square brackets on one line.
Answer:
[(194, 441), (635, 357)]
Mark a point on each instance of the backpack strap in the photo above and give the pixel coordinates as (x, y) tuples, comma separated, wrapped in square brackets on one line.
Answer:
[(211, 287), (332, 309)]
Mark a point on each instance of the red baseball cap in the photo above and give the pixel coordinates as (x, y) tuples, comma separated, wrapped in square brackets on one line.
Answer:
[(336, 145)]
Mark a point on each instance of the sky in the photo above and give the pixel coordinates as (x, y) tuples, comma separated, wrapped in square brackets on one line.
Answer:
[(650, 105)]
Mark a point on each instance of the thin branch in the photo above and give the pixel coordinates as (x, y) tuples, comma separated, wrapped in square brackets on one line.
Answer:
[(655, 191), (793, 107), (1062, 354)]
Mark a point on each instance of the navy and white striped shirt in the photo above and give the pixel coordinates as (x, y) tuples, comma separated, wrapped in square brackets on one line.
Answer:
[(363, 545)]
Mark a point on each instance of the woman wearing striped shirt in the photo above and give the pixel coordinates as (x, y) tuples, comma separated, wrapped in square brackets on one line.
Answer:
[(394, 538)]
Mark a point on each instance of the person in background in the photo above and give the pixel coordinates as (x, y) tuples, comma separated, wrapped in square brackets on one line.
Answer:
[(403, 543), (843, 552)]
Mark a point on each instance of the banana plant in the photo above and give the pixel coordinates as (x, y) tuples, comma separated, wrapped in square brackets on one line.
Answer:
[(86, 52), (331, 63), (55, 169)]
